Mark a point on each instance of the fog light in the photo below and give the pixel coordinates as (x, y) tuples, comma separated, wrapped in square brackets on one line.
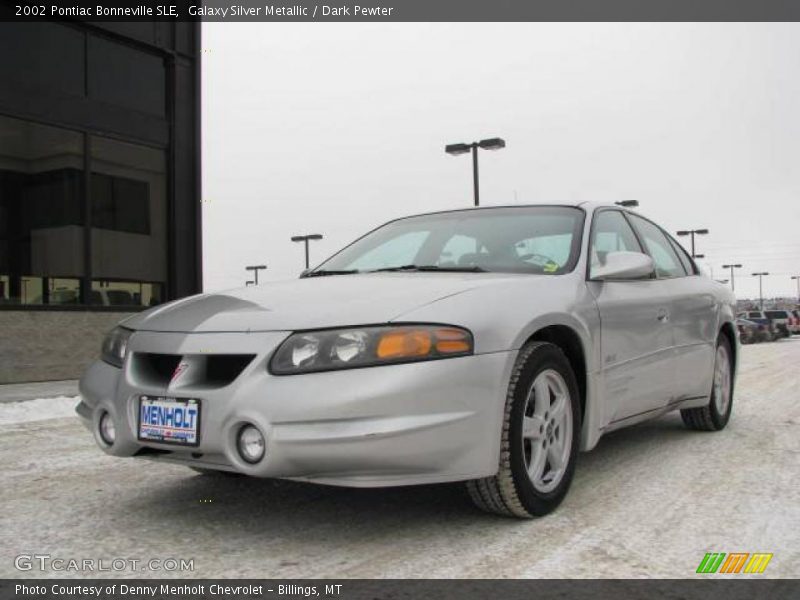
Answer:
[(107, 431), (251, 444)]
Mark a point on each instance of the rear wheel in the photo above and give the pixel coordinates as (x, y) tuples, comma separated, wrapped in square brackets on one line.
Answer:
[(540, 436), (715, 415)]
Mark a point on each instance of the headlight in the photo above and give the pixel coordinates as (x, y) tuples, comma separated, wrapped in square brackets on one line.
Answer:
[(312, 351), (115, 345)]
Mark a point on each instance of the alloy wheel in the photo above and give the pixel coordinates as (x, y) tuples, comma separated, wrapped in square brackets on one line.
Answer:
[(722, 380), (547, 430)]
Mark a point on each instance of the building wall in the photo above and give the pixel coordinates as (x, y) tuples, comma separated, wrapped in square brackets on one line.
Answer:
[(50, 345), (99, 184)]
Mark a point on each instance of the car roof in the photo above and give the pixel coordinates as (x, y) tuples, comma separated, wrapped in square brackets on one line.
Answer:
[(588, 206)]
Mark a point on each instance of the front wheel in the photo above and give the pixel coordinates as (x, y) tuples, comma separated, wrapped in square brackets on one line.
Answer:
[(540, 437), (715, 415)]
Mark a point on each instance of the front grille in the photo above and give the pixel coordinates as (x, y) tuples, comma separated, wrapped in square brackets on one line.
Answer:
[(154, 369), (221, 369)]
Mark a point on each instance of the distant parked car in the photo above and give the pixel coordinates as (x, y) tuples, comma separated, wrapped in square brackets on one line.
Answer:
[(107, 297), (785, 319), (751, 332), (782, 319), (776, 323)]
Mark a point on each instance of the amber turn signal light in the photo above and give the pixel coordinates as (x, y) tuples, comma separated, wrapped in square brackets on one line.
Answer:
[(404, 344), (415, 343)]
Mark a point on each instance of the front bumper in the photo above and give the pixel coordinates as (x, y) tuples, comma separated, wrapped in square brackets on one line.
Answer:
[(378, 426)]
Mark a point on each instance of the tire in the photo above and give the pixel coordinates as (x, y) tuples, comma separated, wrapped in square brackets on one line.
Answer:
[(553, 437), (714, 416)]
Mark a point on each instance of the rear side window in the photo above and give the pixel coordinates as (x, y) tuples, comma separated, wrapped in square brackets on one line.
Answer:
[(754, 315), (611, 232), (658, 246), (683, 256)]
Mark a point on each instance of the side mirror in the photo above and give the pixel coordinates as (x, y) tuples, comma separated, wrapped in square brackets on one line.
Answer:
[(623, 265)]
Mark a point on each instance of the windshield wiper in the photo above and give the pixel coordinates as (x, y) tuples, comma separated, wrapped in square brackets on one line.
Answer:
[(431, 268), (324, 273)]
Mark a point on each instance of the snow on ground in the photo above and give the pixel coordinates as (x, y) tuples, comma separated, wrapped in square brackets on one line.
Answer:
[(37, 410)]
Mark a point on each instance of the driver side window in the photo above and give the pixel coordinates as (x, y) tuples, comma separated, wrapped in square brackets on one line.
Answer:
[(611, 232)]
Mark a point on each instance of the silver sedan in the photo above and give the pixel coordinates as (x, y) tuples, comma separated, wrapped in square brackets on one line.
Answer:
[(486, 345)]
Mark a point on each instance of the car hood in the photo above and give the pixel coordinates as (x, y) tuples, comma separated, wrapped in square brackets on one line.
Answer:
[(312, 302)]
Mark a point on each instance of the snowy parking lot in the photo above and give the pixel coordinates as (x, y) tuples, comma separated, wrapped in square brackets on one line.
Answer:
[(649, 501)]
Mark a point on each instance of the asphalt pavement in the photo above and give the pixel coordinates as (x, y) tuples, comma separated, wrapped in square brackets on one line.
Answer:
[(649, 501)]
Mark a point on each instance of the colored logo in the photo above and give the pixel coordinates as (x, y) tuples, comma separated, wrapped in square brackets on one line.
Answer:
[(734, 563)]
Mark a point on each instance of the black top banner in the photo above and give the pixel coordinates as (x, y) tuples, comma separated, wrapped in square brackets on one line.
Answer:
[(405, 10)]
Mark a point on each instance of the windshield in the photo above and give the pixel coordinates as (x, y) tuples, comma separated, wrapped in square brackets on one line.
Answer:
[(540, 239)]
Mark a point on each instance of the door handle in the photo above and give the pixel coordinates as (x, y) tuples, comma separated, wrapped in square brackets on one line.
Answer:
[(663, 315)]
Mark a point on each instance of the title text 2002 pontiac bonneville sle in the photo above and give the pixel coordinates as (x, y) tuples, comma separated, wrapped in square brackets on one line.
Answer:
[(485, 345)]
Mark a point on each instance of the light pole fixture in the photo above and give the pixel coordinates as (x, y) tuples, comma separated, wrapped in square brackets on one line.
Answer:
[(628, 203), (693, 232), (760, 288), (487, 144), (306, 238), (797, 279), (732, 267), (255, 269)]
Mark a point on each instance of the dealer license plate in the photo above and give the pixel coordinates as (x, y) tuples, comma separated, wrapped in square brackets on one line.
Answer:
[(169, 420)]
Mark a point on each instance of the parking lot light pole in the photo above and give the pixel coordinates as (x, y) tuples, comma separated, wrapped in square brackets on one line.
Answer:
[(732, 267), (255, 269), (693, 232), (487, 144), (760, 289), (797, 279), (306, 238)]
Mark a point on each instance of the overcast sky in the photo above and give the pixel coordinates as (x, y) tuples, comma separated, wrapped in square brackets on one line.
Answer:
[(337, 128)]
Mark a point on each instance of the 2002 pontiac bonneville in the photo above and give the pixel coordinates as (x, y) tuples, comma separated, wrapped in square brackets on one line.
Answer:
[(484, 345)]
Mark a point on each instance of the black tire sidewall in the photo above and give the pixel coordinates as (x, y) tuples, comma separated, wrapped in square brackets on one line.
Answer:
[(545, 356)]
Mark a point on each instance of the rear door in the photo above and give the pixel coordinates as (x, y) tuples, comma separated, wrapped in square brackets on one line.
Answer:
[(692, 312), (635, 332)]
